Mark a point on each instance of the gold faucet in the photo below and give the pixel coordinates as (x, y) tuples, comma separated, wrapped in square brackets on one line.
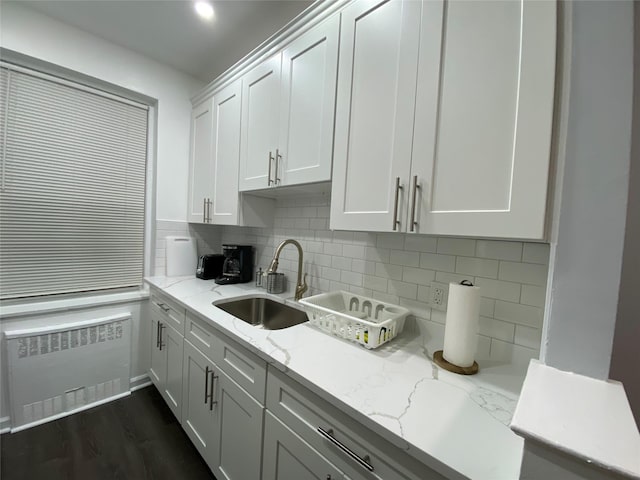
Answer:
[(301, 287)]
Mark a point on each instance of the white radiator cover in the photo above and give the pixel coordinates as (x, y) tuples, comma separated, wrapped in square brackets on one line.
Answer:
[(61, 369)]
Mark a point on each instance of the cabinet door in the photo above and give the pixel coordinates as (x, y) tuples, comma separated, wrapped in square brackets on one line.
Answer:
[(483, 118), (287, 456), (238, 426), (374, 113), (226, 155), (259, 131), (158, 369), (200, 162), (308, 95), (172, 345), (197, 414)]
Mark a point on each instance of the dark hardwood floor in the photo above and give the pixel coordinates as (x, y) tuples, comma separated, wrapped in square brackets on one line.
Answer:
[(136, 437)]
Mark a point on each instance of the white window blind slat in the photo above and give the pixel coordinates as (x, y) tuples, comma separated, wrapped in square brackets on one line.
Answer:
[(72, 207)]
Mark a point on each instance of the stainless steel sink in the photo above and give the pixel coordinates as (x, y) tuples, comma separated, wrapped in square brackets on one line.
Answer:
[(265, 312)]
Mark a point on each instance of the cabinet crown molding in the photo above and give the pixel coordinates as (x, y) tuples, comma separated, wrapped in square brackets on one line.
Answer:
[(312, 16)]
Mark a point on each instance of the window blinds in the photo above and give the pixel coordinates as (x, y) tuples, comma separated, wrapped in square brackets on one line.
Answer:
[(72, 183)]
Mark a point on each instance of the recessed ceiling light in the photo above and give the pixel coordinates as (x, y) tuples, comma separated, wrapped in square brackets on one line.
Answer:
[(205, 10)]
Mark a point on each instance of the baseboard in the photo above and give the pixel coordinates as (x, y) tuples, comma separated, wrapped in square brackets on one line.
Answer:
[(5, 425), (141, 381)]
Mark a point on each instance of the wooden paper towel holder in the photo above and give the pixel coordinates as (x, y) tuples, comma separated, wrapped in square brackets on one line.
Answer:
[(439, 359)]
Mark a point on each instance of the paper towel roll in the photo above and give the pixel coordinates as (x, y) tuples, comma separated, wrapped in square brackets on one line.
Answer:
[(461, 327)]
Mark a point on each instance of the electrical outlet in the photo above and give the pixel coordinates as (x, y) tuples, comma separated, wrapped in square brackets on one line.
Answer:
[(439, 295)]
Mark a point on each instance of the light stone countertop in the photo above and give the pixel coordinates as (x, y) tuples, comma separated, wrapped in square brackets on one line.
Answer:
[(454, 424)]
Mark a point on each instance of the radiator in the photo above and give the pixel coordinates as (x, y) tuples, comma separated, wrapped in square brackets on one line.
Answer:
[(61, 369)]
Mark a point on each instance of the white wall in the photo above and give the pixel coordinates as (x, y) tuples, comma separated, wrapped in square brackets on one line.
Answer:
[(586, 253), (30, 33)]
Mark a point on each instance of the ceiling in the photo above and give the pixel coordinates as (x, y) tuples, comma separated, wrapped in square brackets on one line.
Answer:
[(171, 32)]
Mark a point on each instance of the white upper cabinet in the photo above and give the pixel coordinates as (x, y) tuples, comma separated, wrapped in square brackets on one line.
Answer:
[(374, 113), (200, 164), (475, 159), (226, 155), (307, 99), (481, 145), (288, 113), (259, 130)]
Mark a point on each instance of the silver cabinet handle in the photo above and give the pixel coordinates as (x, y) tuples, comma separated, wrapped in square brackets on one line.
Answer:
[(270, 160), (212, 402), (209, 202), (413, 222), (362, 461), (158, 335), (278, 158), (396, 222), (162, 327), (206, 385), (204, 210)]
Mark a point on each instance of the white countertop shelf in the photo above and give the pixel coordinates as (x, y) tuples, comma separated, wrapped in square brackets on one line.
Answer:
[(455, 424)]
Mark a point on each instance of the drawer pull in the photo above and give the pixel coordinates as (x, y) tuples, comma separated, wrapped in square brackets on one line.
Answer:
[(363, 462)]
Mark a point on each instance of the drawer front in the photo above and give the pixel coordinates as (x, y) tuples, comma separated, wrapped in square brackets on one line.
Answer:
[(245, 368), (201, 335), (169, 311), (304, 412)]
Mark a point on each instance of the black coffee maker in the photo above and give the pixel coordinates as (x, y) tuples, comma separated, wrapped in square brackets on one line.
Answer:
[(237, 266)]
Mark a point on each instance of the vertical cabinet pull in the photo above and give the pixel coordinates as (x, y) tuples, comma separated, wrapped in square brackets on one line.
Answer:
[(211, 400), (362, 461), (162, 327), (206, 385), (278, 158), (396, 222), (204, 210), (158, 335), (270, 160), (413, 223), (209, 202)]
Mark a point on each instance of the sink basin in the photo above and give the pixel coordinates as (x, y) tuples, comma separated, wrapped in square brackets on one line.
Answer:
[(264, 312)]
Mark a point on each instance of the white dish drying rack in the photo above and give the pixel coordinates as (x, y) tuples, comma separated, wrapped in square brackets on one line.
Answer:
[(364, 320)]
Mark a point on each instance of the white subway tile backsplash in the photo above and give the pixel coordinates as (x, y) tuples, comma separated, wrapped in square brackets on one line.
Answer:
[(333, 249), (478, 267), (375, 283), (498, 289), (523, 273), (497, 329), (390, 240), (536, 253), (352, 278), (499, 250), (353, 251), (376, 254), (400, 257), (446, 277), (442, 263), (532, 295), (419, 276), (517, 313), (363, 266), (527, 336), (420, 243), (456, 246), (398, 268)]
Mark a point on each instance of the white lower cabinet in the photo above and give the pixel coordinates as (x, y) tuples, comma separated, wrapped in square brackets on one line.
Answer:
[(237, 426), (166, 362), (327, 432), (222, 420), (287, 456)]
